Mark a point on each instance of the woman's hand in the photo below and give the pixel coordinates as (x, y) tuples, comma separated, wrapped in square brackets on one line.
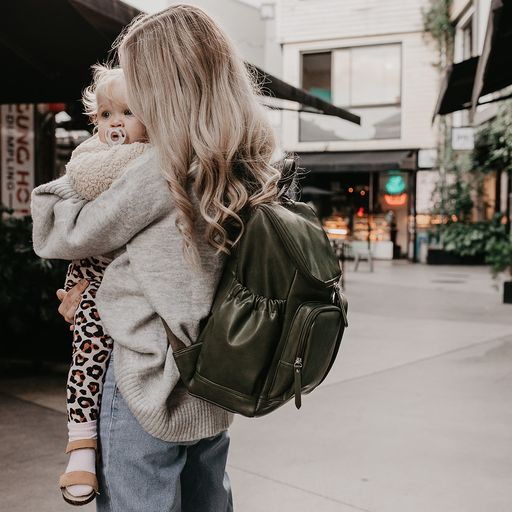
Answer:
[(70, 301)]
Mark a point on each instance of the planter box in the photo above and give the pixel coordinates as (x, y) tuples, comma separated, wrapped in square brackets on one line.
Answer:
[(442, 257), (507, 292)]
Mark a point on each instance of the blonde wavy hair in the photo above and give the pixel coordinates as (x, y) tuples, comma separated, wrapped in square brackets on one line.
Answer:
[(199, 103)]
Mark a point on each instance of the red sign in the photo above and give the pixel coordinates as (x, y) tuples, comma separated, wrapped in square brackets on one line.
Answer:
[(393, 200)]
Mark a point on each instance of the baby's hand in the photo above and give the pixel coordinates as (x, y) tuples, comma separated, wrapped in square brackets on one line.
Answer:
[(70, 301)]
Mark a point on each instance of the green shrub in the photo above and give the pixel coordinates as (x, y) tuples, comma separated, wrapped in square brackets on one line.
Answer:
[(28, 303), (499, 257), (473, 239)]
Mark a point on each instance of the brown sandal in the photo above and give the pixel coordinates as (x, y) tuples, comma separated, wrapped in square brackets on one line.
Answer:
[(79, 477)]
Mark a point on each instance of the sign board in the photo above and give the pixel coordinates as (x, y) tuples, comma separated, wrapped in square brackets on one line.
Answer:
[(427, 158), (463, 138), (17, 163)]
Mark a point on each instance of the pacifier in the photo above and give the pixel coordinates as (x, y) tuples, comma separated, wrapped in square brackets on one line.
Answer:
[(115, 136)]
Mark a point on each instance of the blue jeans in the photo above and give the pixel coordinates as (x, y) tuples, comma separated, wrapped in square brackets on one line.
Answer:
[(140, 473)]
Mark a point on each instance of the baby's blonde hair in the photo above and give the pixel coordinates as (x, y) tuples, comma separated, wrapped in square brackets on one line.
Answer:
[(190, 88), (103, 78)]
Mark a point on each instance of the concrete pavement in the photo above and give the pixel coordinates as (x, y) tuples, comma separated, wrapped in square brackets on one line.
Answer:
[(415, 415)]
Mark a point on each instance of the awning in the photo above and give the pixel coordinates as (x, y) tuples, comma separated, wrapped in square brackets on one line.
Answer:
[(358, 161), (457, 87), (465, 82), (494, 71), (315, 191), (47, 48), (276, 88)]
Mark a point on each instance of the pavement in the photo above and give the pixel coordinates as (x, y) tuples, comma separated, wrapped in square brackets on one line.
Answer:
[(415, 415)]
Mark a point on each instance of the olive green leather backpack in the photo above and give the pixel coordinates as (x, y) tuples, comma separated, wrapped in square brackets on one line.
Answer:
[(277, 318)]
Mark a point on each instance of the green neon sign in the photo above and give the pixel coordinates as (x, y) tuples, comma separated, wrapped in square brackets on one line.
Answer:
[(395, 185)]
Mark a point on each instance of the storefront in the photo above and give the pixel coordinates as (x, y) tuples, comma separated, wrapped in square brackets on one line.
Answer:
[(475, 85), (365, 198)]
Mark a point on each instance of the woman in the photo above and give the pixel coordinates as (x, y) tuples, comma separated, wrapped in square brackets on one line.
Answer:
[(170, 218)]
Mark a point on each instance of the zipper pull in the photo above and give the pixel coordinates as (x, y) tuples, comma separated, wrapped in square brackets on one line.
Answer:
[(344, 314), (335, 292), (297, 370)]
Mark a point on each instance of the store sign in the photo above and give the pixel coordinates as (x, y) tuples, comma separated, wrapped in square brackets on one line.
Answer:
[(463, 138), (17, 163), (393, 200), (395, 185), (395, 189), (427, 158)]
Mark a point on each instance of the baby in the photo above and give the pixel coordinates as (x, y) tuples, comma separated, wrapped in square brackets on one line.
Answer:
[(119, 138)]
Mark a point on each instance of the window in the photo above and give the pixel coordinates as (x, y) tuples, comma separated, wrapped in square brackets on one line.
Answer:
[(467, 41), (463, 51), (316, 74), (374, 75), (464, 37), (366, 80)]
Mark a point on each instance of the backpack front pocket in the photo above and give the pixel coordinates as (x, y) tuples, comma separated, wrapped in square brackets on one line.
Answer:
[(238, 347), (308, 351)]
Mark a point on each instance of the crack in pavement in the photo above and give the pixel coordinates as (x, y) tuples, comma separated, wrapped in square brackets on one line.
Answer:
[(506, 338), (296, 487)]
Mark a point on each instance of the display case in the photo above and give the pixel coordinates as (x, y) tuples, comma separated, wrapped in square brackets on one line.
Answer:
[(378, 229), (376, 225), (336, 228)]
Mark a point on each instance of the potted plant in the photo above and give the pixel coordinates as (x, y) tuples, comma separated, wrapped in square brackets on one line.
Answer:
[(499, 257)]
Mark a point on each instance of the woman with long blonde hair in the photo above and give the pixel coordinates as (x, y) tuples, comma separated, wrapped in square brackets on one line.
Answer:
[(202, 115), (170, 219)]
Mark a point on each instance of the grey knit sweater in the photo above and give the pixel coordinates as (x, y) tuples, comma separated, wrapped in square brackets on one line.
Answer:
[(147, 281)]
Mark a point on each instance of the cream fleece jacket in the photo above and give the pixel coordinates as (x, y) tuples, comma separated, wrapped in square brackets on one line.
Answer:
[(94, 165), (149, 280)]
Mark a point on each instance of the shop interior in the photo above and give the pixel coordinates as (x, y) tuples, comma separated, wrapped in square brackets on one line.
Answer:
[(361, 208)]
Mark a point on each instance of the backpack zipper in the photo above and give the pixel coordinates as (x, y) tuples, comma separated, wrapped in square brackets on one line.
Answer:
[(297, 372), (336, 292), (298, 364)]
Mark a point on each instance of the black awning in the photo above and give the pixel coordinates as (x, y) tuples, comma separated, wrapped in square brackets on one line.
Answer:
[(274, 87), (47, 48), (494, 71), (457, 87), (315, 191), (358, 161)]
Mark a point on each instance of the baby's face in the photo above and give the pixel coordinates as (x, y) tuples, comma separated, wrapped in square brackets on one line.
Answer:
[(113, 112)]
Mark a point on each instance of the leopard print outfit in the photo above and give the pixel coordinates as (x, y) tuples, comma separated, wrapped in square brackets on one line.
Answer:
[(91, 345)]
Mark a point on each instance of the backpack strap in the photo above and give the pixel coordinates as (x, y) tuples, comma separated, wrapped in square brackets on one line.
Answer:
[(287, 175)]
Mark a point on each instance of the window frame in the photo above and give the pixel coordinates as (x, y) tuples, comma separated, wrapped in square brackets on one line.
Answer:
[(398, 104), (349, 48)]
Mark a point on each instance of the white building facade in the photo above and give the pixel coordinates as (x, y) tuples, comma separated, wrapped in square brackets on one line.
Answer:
[(371, 57), (242, 21)]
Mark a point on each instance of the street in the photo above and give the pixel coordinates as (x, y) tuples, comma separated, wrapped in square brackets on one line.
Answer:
[(415, 415)]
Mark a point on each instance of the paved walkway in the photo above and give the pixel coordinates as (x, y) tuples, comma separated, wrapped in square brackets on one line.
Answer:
[(415, 415)]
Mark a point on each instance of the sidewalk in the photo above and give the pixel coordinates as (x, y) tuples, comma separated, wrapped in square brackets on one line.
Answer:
[(414, 417)]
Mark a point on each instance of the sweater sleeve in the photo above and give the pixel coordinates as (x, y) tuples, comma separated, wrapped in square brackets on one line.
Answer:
[(69, 227)]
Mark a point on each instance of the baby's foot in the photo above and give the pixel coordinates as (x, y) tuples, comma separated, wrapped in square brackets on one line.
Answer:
[(83, 459)]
